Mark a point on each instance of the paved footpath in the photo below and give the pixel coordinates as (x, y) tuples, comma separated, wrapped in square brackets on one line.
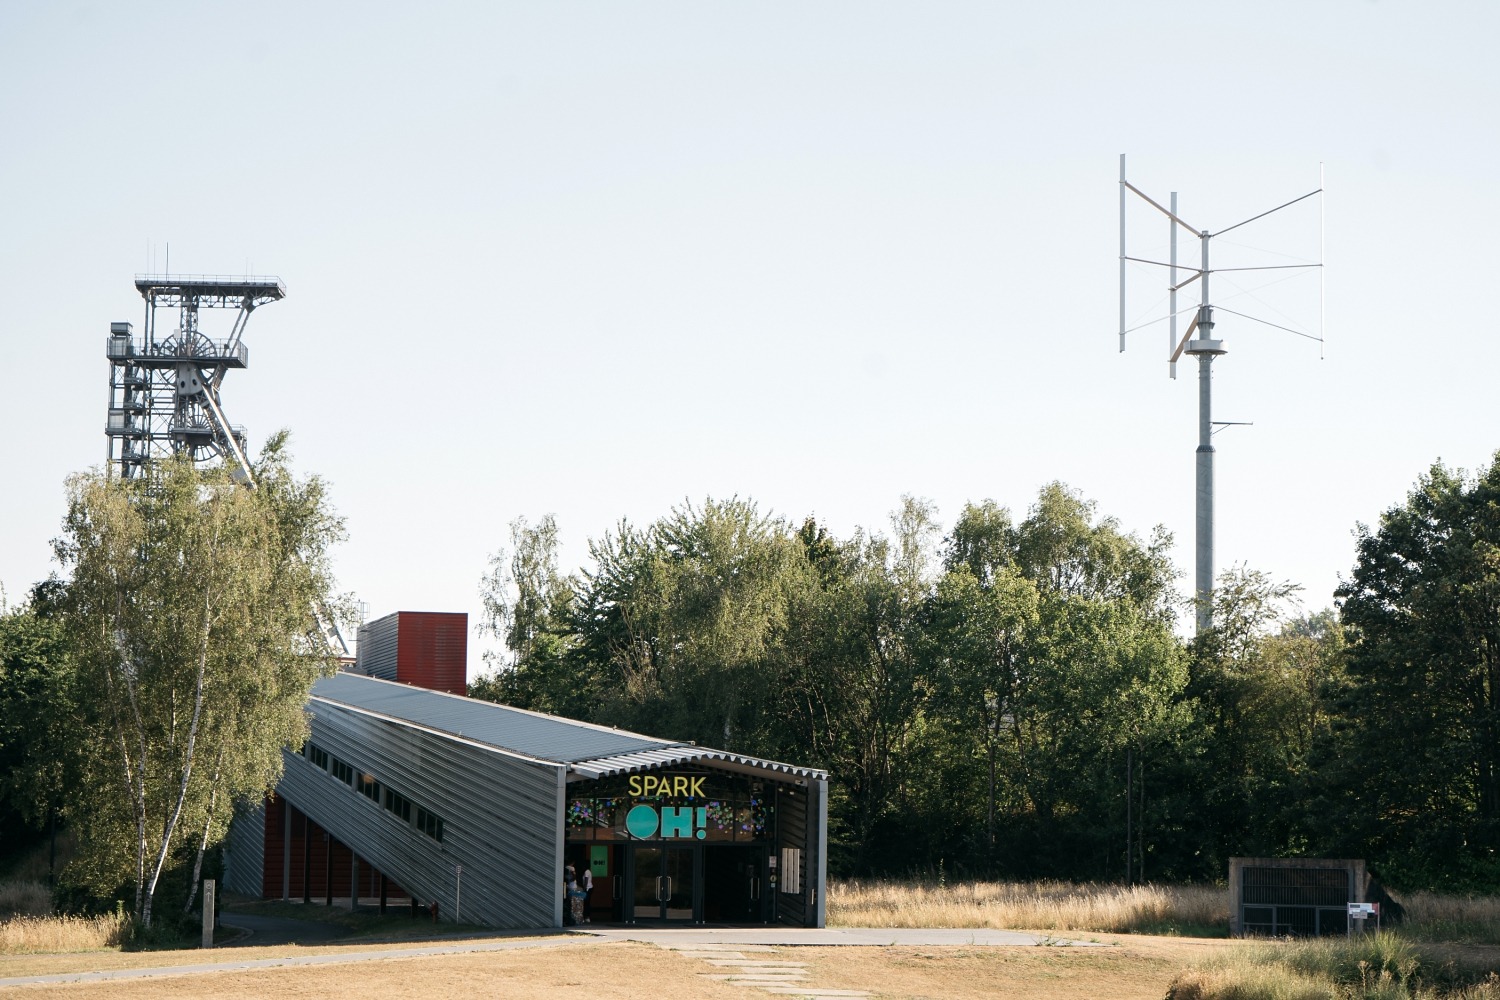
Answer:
[(727, 945)]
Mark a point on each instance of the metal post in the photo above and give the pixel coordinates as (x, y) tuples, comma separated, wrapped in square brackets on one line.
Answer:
[(1172, 291), (383, 895), (306, 859), (1129, 811), (208, 913), (1122, 252), (328, 869), (353, 881), (286, 850)]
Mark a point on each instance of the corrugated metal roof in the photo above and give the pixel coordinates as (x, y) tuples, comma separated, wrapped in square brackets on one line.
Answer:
[(625, 763), (544, 737), (590, 751)]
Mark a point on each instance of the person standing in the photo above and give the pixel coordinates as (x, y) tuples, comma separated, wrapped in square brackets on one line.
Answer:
[(588, 890), (570, 887)]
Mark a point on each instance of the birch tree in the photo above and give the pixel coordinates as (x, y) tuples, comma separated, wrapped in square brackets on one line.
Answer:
[(190, 602)]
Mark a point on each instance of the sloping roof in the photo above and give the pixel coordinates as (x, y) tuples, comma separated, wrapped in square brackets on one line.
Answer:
[(590, 751), (679, 753), (531, 734)]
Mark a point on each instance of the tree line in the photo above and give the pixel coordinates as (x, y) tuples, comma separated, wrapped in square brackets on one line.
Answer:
[(1012, 696), (1009, 696)]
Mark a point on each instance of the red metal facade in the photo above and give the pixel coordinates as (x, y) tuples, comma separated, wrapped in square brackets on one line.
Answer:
[(432, 650), (319, 853)]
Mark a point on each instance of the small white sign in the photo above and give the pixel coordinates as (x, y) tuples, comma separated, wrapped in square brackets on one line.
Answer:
[(1360, 911)]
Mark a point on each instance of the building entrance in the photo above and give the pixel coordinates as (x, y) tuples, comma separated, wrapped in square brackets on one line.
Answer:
[(689, 845), (734, 885), (666, 883)]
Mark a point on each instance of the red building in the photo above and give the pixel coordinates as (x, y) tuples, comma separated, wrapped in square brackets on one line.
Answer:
[(427, 648)]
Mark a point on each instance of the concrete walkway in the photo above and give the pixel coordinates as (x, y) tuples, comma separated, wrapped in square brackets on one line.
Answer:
[(726, 943), (677, 937)]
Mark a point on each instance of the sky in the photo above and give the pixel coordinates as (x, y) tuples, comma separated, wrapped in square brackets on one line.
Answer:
[(598, 260)]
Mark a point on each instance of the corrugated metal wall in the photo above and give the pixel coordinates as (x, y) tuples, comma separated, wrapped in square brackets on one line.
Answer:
[(432, 650), (244, 859), (375, 655), (501, 815), (427, 648), (791, 831)]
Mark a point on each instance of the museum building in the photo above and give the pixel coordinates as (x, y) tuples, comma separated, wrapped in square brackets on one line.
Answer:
[(408, 791)]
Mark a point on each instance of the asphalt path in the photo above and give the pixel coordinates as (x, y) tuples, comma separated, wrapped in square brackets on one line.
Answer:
[(258, 931)]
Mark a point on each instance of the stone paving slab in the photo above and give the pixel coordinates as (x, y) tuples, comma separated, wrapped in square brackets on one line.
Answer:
[(741, 938)]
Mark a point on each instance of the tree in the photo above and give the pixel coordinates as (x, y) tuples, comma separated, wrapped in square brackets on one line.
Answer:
[(690, 614), (1260, 681), (1055, 671), (1420, 767), (191, 611), (529, 605), (34, 692), (984, 624), (853, 691)]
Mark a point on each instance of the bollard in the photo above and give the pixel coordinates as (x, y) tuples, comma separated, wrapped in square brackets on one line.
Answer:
[(208, 913)]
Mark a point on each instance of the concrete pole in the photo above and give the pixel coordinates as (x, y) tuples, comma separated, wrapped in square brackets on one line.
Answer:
[(1203, 578), (1206, 349)]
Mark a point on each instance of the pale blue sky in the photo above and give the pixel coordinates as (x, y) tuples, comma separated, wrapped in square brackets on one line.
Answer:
[(596, 259)]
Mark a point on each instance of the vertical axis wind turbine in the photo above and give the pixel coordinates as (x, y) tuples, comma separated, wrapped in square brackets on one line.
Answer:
[(1205, 348)]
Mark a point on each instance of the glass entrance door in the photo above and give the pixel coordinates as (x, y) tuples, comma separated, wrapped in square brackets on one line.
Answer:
[(663, 883)]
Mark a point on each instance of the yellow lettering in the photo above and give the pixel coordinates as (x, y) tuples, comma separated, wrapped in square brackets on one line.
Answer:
[(696, 787), (679, 785), (635, 784), (653, 783)]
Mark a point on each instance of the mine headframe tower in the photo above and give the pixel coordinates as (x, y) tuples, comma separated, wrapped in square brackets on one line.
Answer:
[(164, 385)]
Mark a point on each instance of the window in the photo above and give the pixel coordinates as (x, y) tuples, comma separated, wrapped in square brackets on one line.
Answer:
[(429, 824), (368, 787), (315, 755), (398, 804), (791, 869), (341, 771)]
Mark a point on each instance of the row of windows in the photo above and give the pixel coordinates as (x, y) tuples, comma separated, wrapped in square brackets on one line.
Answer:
[(399, 805)]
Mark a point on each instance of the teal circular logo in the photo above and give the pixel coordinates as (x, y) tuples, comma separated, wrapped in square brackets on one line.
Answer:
[(642, 822)]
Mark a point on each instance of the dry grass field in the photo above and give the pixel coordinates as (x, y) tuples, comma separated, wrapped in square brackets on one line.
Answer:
[(1445, 951), (1046, 906), (1139, 969)]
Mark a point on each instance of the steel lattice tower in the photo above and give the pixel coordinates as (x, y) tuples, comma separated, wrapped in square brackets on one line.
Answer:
[(164, 389)]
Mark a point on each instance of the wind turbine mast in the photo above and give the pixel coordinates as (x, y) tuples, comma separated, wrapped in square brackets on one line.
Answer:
[(1205, 348)]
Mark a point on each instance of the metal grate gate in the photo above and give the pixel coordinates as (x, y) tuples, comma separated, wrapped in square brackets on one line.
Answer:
[(1294, 902)]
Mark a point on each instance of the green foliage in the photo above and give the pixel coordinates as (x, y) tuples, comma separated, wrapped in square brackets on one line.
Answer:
[(1260, 685), (34, 674), (1415, 766), (986, 697), (971, 695), (193, 643)]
